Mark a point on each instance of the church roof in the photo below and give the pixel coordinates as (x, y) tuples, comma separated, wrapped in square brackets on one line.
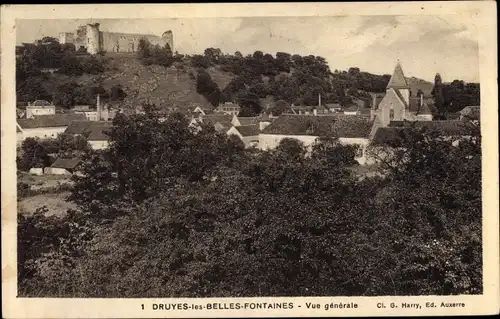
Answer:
[(398, 79)]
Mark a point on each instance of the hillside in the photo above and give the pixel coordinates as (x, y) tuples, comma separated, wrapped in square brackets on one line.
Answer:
[(255, 82), (175, 87)]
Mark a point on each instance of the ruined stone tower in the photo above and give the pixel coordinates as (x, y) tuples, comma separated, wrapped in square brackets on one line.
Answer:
[(168, 37), (92, 38)]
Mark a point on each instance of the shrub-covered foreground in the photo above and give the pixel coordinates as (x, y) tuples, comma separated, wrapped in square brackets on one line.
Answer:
[(167, 212)]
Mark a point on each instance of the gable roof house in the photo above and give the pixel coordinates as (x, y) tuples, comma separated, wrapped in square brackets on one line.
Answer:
[(472, 113), (397, 103), (94, 132), (220, 121), (228, 108), (46, 126), (63, 166), (40, 108), (349, 129), (249, 134)]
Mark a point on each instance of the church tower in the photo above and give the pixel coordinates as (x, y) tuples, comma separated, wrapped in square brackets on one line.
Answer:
[(398, 83)]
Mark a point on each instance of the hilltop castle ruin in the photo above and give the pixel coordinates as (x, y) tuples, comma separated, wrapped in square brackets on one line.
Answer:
[(95, 41)]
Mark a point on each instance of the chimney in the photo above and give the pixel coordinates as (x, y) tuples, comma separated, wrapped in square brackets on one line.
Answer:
[(374, 102), (98, 105), (319, 99), (105, 113), (421, 100), (315, 112)]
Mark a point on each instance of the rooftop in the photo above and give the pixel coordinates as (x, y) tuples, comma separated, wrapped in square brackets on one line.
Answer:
[(222, 119), (67, 163), (248, 120), (347, 126), (40, 103), (52, 120), (249, 130), (398, 80), (94, 131)]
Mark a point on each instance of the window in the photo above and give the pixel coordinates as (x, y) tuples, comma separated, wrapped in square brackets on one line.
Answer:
[(391, 115), (359, 151)]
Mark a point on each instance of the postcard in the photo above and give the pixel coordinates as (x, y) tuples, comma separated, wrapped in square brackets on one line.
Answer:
[(250, 160)]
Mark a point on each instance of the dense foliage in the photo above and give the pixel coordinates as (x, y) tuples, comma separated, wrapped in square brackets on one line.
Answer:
[(48, 54), (150, 54), (172, 211), (453, 97), (40, 153)]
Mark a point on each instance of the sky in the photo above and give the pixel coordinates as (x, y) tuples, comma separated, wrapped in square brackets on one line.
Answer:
[(425, 45)]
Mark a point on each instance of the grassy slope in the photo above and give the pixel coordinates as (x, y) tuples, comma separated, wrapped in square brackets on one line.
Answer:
[(175, 87), (164, 86)]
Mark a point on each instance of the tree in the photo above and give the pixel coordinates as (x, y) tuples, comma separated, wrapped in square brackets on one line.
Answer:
[(208, 88), (146, 155), (249, 103), (143, 50), (280, 107), (213, 55), (199, 61), (437, 93), (34, 154), (116, 93), (258, 55)]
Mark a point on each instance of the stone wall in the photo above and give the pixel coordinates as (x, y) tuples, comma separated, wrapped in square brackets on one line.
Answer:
[(122, 42), (90, 37)]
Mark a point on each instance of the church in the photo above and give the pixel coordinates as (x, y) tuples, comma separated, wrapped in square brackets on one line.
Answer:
[(398, 103)]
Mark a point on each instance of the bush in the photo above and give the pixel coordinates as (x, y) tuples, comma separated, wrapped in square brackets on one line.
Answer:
[(198, 216)]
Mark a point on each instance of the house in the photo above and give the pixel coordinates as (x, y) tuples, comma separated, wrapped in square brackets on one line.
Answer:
[(397, 103), (244, 121), (63, 166), (38, 108), (333, 107), (80, 108), (97, 138), (47, 126), (352, 110), (249, 134), (300, 110), (220, 121), (472, 113), (202, 111), (349, 129), (228, 108), (94, 132)]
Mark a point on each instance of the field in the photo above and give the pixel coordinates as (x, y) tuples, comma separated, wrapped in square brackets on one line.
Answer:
[(55, 202), (43, 191)]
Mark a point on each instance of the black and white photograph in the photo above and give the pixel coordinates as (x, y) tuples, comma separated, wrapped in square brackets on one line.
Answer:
[(252, 156)]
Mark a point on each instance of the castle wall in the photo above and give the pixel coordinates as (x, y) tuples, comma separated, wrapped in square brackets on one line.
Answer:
[(94, 40), (66, 37), (122, 42)]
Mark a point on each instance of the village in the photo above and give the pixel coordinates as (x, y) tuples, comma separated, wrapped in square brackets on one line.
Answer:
[(374, 126)]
